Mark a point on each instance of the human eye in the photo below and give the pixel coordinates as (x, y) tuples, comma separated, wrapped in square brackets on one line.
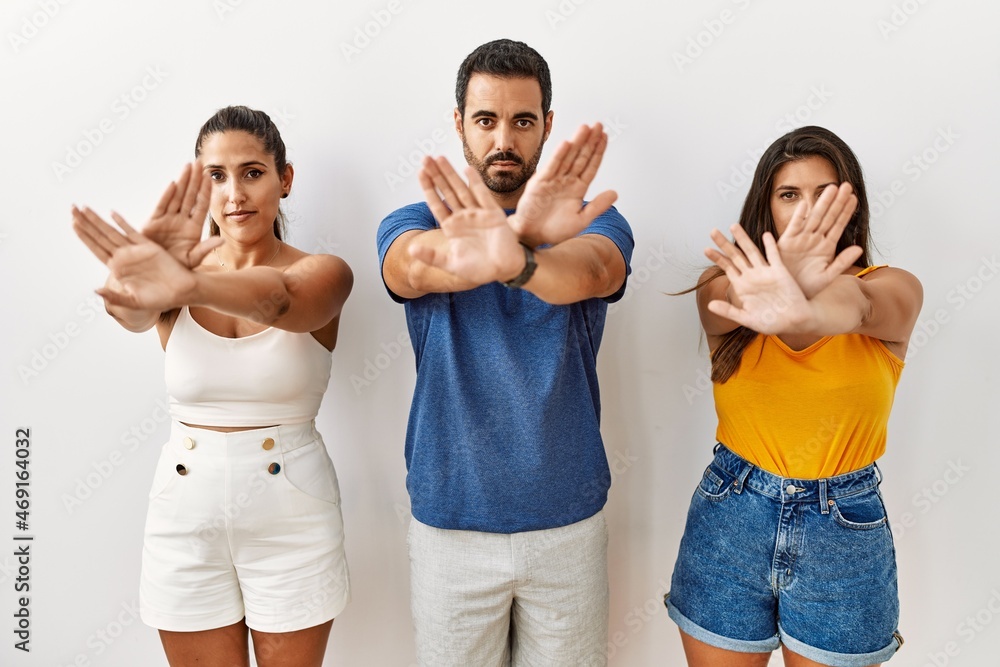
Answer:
[(254, 173), (523, 123), (485, 122), (216, 175), (787, 195)]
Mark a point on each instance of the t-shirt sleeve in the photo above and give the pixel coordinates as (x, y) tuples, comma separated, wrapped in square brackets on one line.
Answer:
[(613, 225), (414, 216)]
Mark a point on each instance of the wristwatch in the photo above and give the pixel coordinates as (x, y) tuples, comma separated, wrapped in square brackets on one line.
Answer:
[(529, 270)]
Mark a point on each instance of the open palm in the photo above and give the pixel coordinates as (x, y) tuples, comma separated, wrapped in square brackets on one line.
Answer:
[(771, 301), (146, 276), (551, 208), (149, 278), (481, 247), (178, 221), (808, 246)]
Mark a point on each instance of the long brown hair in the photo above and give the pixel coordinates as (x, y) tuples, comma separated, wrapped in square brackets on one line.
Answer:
[(756, 217), (258, 124)]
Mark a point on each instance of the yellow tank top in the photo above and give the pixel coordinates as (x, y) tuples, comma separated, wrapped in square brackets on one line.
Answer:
[(811, 413)]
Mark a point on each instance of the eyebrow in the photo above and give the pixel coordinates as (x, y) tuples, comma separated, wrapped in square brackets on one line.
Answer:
[(492, 114), (795, 187), (251, 163)]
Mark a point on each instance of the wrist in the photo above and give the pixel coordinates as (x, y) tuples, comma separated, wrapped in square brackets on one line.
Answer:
[(524, 235), (527, 269), (192, 291)]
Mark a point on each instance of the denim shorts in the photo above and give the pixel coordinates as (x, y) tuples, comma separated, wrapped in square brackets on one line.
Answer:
[(767, 560)]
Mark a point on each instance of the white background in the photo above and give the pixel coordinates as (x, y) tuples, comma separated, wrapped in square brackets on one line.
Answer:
[(891, 78)]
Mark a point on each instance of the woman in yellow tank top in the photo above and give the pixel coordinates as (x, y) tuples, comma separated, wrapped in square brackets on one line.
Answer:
[(787, 541)]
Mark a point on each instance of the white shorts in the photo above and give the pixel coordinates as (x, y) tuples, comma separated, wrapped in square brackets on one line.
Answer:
[(243, 524), (490, 599)]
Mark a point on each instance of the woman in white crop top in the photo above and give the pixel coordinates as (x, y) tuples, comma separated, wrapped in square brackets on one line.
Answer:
[(248, 323)]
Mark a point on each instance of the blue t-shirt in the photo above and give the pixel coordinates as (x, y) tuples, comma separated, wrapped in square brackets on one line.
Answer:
[(504, 430)]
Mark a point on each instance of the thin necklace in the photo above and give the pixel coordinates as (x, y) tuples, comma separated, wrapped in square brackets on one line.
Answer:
[(223, 264)]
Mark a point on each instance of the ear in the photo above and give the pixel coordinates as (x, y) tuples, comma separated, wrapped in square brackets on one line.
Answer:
[(286, 180), (548, 125), (458, 123)]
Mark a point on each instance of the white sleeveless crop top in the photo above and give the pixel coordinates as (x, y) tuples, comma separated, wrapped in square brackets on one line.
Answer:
[(271, 377)]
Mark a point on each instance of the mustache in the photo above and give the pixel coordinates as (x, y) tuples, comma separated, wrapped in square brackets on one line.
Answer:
[(504, 156)]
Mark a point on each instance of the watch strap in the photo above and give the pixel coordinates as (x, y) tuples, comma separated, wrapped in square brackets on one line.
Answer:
[(529, 270)]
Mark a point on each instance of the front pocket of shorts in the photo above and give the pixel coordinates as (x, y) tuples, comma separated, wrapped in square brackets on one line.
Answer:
[(863, 511), (165, 473), (714, 484), (310, 470)]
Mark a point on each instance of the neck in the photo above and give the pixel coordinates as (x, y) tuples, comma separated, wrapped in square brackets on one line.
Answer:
[(508, 200), (233, 255)]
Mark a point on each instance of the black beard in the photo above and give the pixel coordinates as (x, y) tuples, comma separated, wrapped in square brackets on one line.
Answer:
[(503, 183)]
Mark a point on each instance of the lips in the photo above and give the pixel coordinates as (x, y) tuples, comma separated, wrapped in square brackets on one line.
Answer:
[(504, 159), (239, 215)]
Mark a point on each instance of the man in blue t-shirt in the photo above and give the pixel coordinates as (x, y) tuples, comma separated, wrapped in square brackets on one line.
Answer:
[(506, 283)]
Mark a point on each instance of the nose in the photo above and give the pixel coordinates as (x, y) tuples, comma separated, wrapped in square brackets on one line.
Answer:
[(503, 138), (235, 192)]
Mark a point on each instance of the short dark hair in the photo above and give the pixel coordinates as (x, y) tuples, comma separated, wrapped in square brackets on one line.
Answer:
[(507, 59), (258, 124)]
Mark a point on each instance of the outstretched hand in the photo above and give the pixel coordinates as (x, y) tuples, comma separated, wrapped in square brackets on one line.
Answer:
[(808, 246), (147, 276), (551, 208), (179, 217), (771, 301), (480, 246)]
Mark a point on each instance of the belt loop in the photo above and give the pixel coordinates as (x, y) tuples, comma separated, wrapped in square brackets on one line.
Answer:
[(718, 446), (824, 506), (878, 472), (742, 478)]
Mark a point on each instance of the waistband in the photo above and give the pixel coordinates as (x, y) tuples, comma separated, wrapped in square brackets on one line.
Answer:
[(282, 438), (788, 489)]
